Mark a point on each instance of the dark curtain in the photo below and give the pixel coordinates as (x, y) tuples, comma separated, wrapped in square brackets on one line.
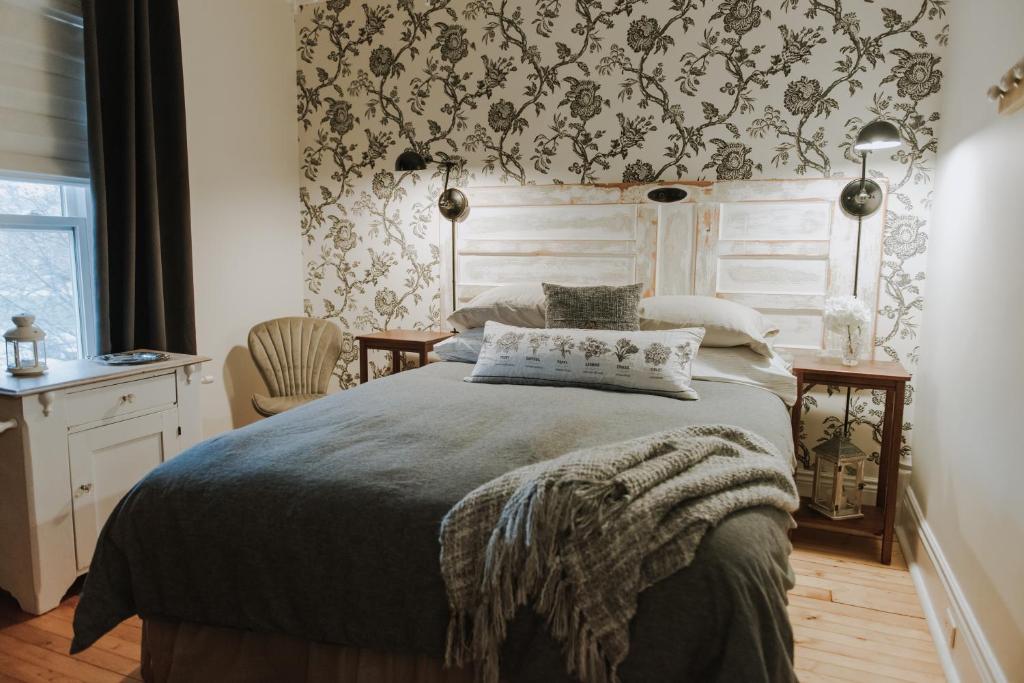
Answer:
[(139, 162)]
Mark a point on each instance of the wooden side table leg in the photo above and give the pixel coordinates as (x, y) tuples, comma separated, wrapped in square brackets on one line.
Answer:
[(883, 459), (798, 407), (363, 372), (423, 357), (890, 465), (396, 362)]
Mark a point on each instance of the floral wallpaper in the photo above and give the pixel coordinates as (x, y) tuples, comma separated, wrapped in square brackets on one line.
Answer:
[(553, 91)]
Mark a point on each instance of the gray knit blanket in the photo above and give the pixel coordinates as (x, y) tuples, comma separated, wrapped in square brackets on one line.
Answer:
[(579, 537)]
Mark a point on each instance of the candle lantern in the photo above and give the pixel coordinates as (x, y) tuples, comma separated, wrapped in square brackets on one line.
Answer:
[(838, 479), (25, 345)]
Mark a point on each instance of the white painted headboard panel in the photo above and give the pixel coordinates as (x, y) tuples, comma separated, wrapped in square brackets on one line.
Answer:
[(781, 246)]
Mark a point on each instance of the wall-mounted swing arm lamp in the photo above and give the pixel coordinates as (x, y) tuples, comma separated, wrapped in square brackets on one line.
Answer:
[(452, 203), (860, 199)]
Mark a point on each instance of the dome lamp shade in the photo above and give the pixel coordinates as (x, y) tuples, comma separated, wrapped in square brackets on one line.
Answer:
[(877, 135), (410, 161)]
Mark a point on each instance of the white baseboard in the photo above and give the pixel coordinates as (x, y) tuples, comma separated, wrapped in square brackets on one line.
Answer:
[(969, 657)]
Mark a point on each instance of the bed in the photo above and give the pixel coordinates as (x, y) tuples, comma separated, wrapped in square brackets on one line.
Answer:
[(305, 547)]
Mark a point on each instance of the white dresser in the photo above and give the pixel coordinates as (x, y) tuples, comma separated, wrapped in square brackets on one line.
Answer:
[(72, 443)]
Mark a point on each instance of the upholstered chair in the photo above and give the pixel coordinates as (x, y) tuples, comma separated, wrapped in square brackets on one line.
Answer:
[(296, 357)]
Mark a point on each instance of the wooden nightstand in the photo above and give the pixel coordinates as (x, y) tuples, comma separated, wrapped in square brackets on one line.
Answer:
[(887, 376), (398, 342)]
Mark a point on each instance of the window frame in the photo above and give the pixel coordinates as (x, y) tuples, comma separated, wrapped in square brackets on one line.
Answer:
[(81, 227)]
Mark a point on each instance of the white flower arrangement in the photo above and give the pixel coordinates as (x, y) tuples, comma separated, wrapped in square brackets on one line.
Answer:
[(844, 312), (848, 317)]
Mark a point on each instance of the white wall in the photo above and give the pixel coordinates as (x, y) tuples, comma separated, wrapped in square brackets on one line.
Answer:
[(239, 64), (969, 444)]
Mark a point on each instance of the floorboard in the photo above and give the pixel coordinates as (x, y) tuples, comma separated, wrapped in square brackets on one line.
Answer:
[(853, 619)]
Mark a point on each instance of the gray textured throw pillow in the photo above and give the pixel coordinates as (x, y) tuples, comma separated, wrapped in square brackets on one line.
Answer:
[(593, 308)]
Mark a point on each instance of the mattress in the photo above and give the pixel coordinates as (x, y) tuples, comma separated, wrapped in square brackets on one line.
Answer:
[(322, 524)]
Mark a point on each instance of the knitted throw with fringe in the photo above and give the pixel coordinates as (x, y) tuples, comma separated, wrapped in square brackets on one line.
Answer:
[(580, 536)]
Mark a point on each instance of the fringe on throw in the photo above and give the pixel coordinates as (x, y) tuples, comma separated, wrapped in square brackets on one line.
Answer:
[(522, 566)]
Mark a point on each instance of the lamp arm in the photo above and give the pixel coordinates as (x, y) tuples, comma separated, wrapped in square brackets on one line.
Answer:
[(860, 219), (856, 277), (454, 283)]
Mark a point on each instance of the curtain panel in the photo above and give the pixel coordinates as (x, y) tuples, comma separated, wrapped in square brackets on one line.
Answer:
[(139, 164)]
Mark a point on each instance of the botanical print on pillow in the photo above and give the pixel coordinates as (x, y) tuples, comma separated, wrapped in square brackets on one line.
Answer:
[(509, 341), (604, 362), (630, 91), (592, 348), (624, 348), (536, 340), (564, 344), (657, 354)]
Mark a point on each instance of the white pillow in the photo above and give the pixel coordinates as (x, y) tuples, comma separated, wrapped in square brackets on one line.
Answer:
[(726, 323), (464, 347), (521, 305), (620, 360)]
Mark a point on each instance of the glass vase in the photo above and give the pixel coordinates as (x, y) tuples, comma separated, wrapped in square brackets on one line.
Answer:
[(853, 345)]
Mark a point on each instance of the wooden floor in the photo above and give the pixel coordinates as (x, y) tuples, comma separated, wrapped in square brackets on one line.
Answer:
[(854, 620)]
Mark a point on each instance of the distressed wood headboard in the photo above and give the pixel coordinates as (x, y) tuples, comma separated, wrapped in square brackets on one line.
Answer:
[(780, 246)]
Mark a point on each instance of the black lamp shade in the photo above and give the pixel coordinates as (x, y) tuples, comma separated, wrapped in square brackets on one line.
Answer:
[(667, 195), (877, 135), (410, 161)]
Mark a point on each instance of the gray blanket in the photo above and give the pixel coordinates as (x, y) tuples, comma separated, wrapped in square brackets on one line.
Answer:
[(577, 538), (322, 523)]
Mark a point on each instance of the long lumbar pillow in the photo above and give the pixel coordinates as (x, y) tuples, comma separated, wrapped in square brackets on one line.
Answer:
[(644, 362)]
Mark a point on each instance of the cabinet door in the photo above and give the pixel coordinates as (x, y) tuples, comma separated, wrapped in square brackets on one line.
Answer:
[(106, 462)]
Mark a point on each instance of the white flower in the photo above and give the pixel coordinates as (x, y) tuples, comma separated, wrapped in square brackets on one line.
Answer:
[(844, 312)]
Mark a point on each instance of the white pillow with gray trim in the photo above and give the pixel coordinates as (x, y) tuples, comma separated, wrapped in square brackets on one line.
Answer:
[(659, 362)]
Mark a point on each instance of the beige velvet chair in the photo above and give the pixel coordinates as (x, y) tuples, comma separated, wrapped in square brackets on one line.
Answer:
[(296, 357)]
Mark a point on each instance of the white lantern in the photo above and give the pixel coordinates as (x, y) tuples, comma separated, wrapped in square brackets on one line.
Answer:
[(838, 479), (26, 348)]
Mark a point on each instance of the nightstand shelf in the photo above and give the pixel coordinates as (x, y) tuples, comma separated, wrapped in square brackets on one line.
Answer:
[(870, 525), (887, 376)]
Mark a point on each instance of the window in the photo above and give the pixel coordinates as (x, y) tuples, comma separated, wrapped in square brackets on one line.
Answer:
[(46, 264), (46, 261)]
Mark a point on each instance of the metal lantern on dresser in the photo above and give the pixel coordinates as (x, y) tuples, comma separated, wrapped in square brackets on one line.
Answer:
[(25, 346)]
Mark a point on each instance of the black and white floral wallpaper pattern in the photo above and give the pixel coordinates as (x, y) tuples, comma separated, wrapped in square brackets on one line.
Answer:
[(596, 91)]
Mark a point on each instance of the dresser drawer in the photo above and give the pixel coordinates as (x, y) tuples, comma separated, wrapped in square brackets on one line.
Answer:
[(114, 400)]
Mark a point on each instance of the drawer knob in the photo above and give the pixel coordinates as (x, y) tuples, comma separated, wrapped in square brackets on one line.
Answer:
[(128, 398)]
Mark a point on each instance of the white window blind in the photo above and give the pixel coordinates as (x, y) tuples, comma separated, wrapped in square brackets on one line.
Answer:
[(42, 88)]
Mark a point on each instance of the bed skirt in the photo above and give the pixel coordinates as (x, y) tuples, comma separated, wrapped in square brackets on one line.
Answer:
[(181, 652)]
